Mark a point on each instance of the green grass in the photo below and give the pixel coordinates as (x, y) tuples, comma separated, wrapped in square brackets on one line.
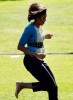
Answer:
[(13, 20), (12, 70)]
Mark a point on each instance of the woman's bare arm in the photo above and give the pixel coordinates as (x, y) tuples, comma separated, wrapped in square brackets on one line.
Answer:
[(24, 49)]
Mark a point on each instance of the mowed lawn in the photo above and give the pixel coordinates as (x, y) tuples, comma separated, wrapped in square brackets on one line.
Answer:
[(13, 20), (12, 70)]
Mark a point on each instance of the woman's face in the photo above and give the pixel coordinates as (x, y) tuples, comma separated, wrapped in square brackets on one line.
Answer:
[(42, 19)]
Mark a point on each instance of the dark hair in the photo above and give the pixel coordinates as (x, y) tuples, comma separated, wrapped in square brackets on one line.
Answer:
[(36, 10)]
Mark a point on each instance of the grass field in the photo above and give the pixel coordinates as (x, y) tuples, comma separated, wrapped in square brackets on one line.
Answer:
[(12, 69), (13, 20)]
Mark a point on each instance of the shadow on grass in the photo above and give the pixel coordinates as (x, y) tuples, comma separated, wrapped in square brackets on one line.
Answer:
[(70, 53)]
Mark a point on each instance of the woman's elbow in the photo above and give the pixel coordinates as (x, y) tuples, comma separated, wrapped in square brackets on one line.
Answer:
[(18, 47)]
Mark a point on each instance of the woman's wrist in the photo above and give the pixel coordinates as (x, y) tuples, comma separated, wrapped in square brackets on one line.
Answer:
[(34, 54)]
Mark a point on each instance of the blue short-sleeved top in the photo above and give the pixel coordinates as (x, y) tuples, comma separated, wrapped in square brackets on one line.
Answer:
[(29, 36)]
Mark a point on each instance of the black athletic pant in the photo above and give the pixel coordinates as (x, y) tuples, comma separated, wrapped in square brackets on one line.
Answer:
[(43, 74)]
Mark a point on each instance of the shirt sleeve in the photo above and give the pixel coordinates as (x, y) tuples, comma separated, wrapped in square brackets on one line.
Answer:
[(25, 37)]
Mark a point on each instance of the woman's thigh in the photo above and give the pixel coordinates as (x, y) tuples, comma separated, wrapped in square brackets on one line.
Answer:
[(38, 70), (49, 70)]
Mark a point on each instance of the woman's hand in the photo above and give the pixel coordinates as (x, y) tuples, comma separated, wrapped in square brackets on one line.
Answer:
[(40, 56), (48, 36), (24, 49)]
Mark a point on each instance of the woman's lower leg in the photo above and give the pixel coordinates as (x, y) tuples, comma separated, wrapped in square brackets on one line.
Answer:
[(53, 94), (20, 86)]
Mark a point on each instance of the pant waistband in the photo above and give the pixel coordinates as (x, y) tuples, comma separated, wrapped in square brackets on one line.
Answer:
[(36, 44)]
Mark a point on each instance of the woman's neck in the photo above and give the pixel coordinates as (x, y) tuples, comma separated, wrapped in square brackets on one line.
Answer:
[(36, 24)]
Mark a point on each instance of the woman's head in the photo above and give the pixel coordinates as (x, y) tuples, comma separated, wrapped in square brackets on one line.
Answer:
[(36, 11)]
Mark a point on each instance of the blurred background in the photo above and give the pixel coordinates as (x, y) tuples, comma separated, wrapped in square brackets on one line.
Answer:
[(13, 20)]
